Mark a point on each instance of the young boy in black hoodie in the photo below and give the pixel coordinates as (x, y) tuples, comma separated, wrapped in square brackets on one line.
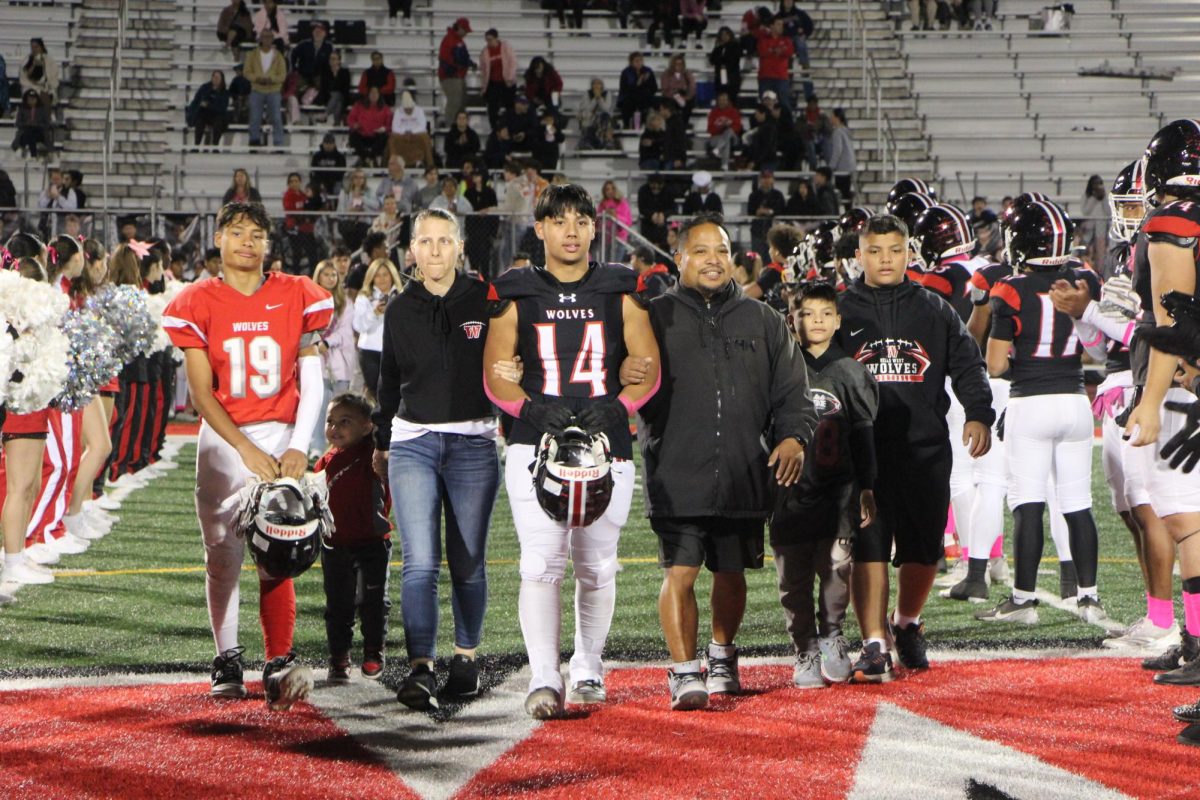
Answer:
[(816, 520), (910, 339)]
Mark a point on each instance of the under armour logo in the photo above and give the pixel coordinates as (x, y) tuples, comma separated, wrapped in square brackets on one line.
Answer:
[(566, 298)]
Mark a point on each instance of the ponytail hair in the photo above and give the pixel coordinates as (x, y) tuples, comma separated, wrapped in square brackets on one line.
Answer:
[(61, 250), (26, 245), (85, 284), (124, 267)]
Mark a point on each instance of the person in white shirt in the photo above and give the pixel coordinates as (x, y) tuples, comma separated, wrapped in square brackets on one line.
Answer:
[(380, 285), (450, 200), (410, 132)]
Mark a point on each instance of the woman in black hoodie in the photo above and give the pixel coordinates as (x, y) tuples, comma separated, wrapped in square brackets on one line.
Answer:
[(435, 433)]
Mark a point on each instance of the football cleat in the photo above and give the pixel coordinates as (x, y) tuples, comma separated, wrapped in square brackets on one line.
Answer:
[(806, 674), (1145, 636), (835, 658), (1189, 736), (874, 665), (1186, 675), (955, 575), (544, 703), (339, 670), (911, 645), (971, 591), (419, 690), (1090, 610), (723, 677), (286, 682), (1011, 611), (227, 674), (688, 692), (1189, 714), (588, 691), (998, 571), (464, 677)]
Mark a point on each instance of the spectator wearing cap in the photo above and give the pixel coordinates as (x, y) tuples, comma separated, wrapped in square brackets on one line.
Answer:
[(841, 156), (762, 142), (208, 112), (637, 91), (266, 71), (410, 132), (678, 85), (379, 76), (333, 89), (726, 61), (328, 166), (655, 207), (775, 51), (271, 17), (724, 129), (702, 199), (825, 194), (497, 74), (765, 202), (453, 63)]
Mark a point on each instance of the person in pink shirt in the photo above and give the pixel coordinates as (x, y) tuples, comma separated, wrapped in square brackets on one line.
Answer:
[(613, 206)]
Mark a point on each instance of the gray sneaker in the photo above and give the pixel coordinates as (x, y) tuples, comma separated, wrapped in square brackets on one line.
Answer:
[(807, 672), (543, 703), (587, 692), (1011, 611), (998, 571), (688, 692), (723, 675), (835, 658), (1090, 610)]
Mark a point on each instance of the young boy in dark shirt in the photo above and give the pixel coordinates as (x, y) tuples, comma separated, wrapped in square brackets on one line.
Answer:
[(361, 546), (815, 521)]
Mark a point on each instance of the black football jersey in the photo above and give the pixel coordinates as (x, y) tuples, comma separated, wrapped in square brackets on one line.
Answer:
[(1046, 350), (1118, 261), (571, 340), (1179, 220), (952, 282), (770, 280)]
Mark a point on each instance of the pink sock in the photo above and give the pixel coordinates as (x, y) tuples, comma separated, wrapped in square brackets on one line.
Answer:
[(998, 547), (950, 526), (1160, 612), (1191, 612), (965, 553)]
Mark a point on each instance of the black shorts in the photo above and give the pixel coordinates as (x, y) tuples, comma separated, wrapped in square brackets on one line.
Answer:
[(913, 496), (722, 544), (806, 512)]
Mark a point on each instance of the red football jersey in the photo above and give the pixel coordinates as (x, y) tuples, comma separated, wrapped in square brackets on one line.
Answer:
[(252, 342)]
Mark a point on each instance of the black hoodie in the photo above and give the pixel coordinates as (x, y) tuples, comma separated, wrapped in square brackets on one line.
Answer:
[(911, 340), (432, 364)]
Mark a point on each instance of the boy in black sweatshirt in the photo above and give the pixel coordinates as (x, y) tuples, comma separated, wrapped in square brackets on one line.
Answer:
[(911, 340), (816, 520)]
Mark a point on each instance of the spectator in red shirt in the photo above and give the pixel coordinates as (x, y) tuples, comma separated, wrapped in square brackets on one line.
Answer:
[(379, 76), (498, 75), (453, 63), (724, 129), (370, 122), (775, 51), (543, 84), (361, 545), (293, 200)]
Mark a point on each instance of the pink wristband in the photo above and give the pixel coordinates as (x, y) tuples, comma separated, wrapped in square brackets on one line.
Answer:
[(632, 406)]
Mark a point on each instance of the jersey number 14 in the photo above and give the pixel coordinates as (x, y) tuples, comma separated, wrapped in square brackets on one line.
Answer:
[(589, 364)]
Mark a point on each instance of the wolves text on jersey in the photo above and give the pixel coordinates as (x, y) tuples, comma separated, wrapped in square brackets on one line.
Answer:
[(894, 360)]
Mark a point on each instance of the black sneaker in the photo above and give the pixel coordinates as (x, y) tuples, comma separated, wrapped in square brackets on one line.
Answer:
[(339, 669), (1187, 675), (286, 682), (1189, 714), (1189, 650), (372, 665), (1189, 736), (227, 674), (910, 645), (419, 690), (967, 589), (464, 677), (873, 666)]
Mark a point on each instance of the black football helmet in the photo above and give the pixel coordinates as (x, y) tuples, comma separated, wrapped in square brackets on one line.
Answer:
[(940, 232), (909, 186), (1128, 196), (1039, 237), (815, 253), (909, 206), (1018, 202), (1172, 161), (285, 522), (573, 477), (854, 220)]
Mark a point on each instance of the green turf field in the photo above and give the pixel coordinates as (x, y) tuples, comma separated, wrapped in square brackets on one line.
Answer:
[(143, 606)]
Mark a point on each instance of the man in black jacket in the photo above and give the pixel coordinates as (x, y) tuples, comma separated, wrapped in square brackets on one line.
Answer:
[(733, 378), (911, 340)]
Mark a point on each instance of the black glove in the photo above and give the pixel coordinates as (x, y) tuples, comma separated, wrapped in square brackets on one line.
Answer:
[(1182, 338), (1183, 449), (546, 417), (1000, 425), (603, 416)]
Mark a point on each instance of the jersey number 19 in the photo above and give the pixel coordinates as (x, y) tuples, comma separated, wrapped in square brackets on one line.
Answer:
[(264, 357)]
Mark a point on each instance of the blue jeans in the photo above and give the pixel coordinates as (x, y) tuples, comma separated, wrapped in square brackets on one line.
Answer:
[(460, 474), (273, 102)]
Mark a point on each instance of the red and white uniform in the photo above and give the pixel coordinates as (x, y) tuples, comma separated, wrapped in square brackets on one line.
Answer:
[(253, 343)]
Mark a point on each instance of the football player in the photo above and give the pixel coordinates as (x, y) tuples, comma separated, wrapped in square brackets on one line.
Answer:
[(1166, 260), (572, 323), (1048, 420), (250, 348), (1125, 467)]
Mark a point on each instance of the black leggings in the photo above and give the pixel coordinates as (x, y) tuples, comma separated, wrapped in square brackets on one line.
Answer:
[(369, 361)]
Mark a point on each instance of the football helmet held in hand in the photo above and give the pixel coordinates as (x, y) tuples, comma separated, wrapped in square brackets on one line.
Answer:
[(573, 477), (285, 522)]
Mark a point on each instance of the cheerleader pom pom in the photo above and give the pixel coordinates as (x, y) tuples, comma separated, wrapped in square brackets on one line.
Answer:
[(157, 305), (40, 370), (7, 339), (123, 308), (91, 359), (29, 304)]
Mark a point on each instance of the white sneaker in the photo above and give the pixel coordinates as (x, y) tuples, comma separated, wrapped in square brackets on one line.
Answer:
[(723, 677), (25, 573), (79, 527), (69, 545), (1144, 636), (41, 554), (998, 571), (164, 464), (8, 593), (106, 503), (957, 574), (104, 524)]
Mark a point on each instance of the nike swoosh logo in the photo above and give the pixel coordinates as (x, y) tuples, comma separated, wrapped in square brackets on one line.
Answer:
[(852, 333), (273, 307)]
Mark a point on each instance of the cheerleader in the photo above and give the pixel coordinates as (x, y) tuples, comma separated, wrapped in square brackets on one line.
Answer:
[(151, 406), (24, 440), (95, 277), (125, 270)]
